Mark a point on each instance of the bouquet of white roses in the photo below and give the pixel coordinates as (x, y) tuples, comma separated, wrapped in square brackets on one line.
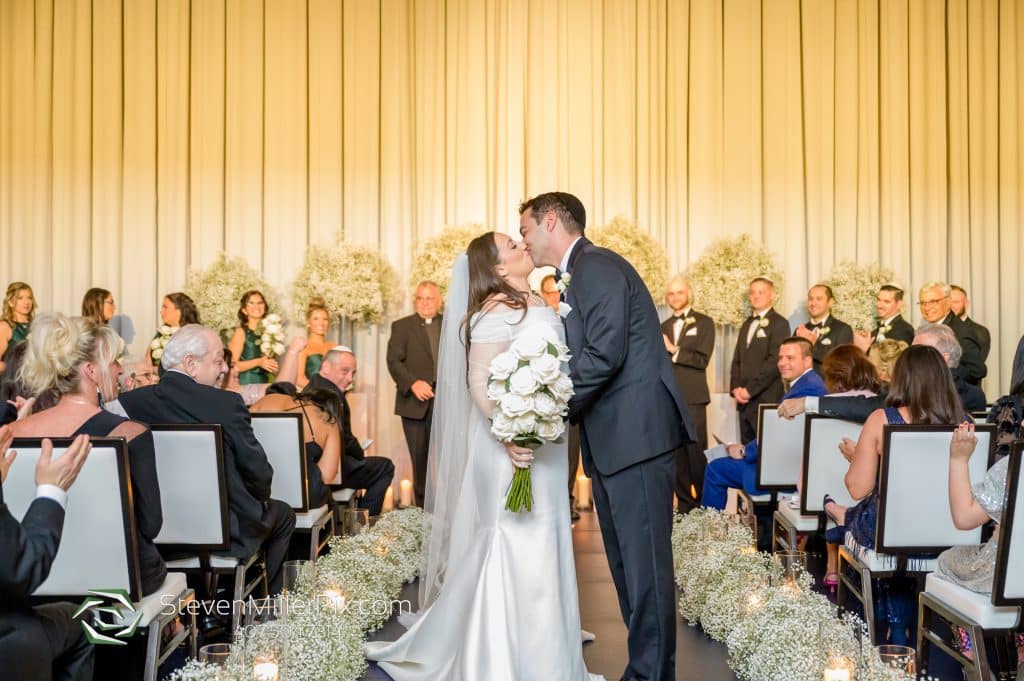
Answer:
[(156, 348), (532, 391), (271, 336)]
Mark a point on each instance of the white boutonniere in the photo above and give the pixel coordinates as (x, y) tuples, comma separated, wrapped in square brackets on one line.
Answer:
[(826, 341), (823, 331), (763, 323), (564, 309), (690, 320), (885, 329), (563, 282)]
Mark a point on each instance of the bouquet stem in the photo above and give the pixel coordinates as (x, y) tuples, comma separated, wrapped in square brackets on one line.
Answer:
[(520, 492)]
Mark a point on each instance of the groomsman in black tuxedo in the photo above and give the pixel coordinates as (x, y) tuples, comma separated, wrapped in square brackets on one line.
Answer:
[(689, 340), (822, 331), (412, 363), (187, 393), (935, 299), (358, 471), (891, 324), (44, 641), (959, 304), (754, 377)]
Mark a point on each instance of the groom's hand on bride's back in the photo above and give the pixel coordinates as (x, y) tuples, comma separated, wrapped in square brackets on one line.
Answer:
[(521, 457)]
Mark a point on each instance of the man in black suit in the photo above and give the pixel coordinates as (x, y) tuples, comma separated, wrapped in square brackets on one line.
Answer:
[(44, 641), (959, 303), (936, 308), (194, 362), (858, 408), (891, 324), (754, 376), (631, 418), (412, 363), (689, 340), (370, 473), (822, 331)]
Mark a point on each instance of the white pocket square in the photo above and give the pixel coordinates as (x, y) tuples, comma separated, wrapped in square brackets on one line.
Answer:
[(691, 332), (564, 309)]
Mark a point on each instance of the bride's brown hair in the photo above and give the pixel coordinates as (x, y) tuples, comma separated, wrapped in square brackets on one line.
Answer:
[(484, 282)]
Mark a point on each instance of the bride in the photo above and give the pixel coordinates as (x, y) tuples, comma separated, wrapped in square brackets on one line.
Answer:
[(497, 589)]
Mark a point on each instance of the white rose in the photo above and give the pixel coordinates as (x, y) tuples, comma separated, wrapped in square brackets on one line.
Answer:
[(550, 429), (527, 423), (265, 348), (530, 347), (563, 352), (546, 368), (546, 405), (156, 344), (278, 348), (272, 318), (562, 388), (165, 330), (495, 389), (503, 365), (502, 427), (515, 405), (157, 353), (523, 382)]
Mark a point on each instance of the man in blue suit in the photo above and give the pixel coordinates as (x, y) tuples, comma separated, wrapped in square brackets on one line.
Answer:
[(739, 469)]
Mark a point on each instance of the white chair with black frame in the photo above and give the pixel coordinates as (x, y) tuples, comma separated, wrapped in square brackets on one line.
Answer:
[(193, 492), (281, 436), (997, 615), (823, 468), (98, 556), (779, 447), (913, 522)]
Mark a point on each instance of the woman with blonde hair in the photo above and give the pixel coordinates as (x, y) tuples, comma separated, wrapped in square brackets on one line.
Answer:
[(318, 320), (77, 359), (15, 318)]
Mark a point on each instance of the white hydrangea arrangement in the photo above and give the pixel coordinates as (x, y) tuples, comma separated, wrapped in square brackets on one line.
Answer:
[(271, 333), (319, 638), (855, 288), (356, 282), (721, 278), (163, 337), (645, 253), (218, 289), (773, 630), (434, 257), (531, 389)]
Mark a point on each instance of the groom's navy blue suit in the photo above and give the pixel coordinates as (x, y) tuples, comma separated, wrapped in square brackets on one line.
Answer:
[(631, 420)]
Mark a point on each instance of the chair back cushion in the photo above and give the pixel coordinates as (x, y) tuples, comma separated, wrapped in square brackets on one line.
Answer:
[(780, 446), (282, 439), (824, 467), (1008, 583)]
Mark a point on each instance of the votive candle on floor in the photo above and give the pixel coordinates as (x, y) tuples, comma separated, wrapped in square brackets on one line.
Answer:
[(405, 496), (583, 491), (389, 499)]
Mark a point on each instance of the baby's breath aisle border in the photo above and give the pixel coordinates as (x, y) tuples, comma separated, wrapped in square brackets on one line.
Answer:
[(773, 631), (325, 643)]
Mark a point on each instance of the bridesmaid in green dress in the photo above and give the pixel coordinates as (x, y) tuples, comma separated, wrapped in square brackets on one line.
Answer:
[(318, 320), (98, 305), (176, 311), (19, 309), (252, 366)]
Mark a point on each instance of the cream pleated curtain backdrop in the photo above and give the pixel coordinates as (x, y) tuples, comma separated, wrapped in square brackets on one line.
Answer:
[(140, 137)]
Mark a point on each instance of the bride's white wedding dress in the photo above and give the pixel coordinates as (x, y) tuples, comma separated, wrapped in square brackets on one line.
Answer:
[(508, 609)]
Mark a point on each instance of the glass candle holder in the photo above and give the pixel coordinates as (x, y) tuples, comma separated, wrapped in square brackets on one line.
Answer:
[(215, 654), (898, 657), (355, 521), (298, 575), (791, 565)]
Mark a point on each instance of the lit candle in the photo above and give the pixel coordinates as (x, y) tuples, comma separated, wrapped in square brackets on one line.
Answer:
[(838, 669), (335, 598), (389, 499), (405, 498), (265, 669), (582, 491), (837, 675)]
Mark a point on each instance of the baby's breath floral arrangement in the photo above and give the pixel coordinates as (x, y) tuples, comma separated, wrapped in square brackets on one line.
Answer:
[(855, 288), (773, 630), (320, 628), (721, 277), (435, 256), (355, 282), (642, 251), (218, 289)]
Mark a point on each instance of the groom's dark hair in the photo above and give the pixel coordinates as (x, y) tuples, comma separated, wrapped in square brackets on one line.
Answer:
[(567, 207)]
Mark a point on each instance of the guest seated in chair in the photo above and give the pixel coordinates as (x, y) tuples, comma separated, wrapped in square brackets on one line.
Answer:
[(77, 359), (372, 473), (922, 392), (45, 641), (194, 360), (321, 413), (739, 469), (972, 567)]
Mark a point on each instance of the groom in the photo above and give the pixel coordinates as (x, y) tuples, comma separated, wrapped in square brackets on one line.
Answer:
[(631, 420)]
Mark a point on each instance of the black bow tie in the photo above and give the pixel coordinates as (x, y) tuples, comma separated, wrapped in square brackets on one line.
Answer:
[(680, 317), (816, 326), (558, 274)]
